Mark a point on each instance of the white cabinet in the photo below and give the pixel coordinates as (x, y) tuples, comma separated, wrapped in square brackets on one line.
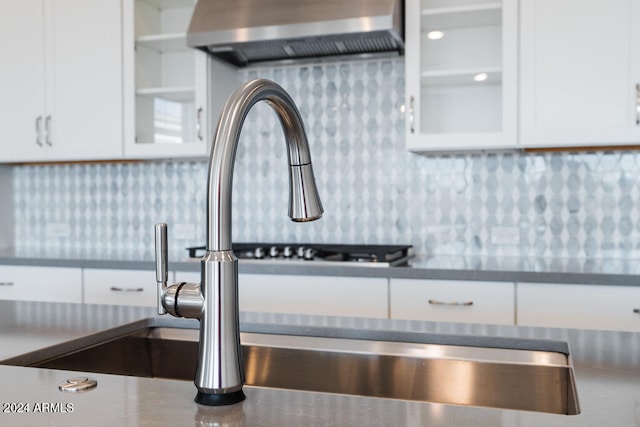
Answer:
[(61, 80), (49, 284), (461, 74), (579, 306), (580, 71), (320, 295), (169, 106), (120, 287), (452, 301)]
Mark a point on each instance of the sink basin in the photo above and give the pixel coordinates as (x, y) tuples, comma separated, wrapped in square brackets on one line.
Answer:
[(507, 378)]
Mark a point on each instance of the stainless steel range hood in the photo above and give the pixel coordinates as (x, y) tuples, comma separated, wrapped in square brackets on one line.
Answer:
[(247, 31)]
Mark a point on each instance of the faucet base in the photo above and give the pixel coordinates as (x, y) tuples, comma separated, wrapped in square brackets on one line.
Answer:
[(220, 399)]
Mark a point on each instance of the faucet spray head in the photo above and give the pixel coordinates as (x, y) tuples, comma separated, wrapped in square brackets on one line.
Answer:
[(304, 201)]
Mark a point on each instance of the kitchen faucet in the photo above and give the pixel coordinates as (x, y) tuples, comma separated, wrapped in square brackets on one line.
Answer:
[(220, 373)]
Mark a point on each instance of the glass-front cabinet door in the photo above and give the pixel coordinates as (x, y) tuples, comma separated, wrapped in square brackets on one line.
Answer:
[(166, 108), (461, 74)]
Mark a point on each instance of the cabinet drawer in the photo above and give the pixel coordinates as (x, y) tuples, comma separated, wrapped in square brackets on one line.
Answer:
[(579, 306), (50, 284), (453, 301), (299, 294), (119, 287)]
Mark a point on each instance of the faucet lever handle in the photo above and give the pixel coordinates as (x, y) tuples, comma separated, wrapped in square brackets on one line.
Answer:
[(162, 268)]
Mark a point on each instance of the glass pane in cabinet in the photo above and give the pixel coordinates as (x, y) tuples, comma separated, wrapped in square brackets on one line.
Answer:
[(164, 120), (461, 66)]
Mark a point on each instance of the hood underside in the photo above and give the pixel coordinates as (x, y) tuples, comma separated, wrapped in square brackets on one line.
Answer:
[(243, 32)]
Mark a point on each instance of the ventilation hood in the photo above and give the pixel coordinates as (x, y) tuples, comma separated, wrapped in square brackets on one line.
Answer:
[(243, 32)]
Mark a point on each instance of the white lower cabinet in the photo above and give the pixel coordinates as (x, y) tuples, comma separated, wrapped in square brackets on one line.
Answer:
[(452, 301), (579, 306), (319, 295), (48, 284), (119, 287)]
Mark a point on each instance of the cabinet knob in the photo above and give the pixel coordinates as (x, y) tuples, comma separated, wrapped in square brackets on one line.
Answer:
[(411, 115), (47, 128), (38, 132), (117, 289), (199, 124), (636, 310), (453, 303)]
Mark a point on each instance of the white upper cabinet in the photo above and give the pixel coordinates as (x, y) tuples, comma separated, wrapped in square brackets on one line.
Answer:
[(167, 104), (61, 80), (461, 74), (580, 70), (22, 80)]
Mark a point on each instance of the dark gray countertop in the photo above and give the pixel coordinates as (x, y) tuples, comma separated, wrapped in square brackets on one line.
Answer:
[(607, 368), (625, 272)]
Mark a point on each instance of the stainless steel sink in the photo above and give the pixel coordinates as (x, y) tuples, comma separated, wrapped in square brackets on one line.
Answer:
[(519, 379)]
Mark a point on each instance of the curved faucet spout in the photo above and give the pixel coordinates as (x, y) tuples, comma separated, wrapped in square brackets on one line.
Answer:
[(304, 203)]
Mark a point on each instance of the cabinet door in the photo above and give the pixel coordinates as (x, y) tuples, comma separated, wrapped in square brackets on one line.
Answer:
[(22, 82), (171, 91), (579, 72), (452, 301), (84, 86), (461, 74), (321, 295), (48, 284), (119, 287), (579, 306)]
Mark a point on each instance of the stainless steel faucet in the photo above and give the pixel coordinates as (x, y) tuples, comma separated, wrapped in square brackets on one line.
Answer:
[(220, 373)]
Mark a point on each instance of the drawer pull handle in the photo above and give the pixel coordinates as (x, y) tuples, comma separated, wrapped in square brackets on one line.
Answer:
[(456, 303), (6, 283), (116, 289)]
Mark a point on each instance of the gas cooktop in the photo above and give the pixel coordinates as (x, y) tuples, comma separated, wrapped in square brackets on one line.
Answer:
[(365, 255)]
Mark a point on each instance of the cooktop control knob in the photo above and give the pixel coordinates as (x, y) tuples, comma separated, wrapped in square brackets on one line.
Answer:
[(300, 252), (273, 251), (287, 252), (309, 254), (258, 253)]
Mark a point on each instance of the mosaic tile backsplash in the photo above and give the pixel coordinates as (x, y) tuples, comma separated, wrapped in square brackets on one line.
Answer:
[(570, 205)]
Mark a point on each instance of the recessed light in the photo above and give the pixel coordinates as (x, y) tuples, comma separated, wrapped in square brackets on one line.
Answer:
[(480, 77), (435, 35)]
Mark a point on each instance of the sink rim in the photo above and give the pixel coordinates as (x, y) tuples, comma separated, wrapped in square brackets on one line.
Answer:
[(349, 342)]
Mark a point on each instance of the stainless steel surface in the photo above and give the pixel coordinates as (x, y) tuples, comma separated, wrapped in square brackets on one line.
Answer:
[(637, 104), (38, 131), (490, 377), (162, 264), (47, 128), (459, 303), (219, 376), (266, 30), (411, 114), (119, 289), (78, 384), (199, 124)]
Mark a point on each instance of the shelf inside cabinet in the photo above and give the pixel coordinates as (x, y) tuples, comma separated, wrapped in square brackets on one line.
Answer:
[(483, 15), (459, 77), (164, 43), (176, 93)]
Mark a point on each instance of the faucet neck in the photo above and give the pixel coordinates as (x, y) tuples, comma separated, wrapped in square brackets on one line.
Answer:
[(224, 147)]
